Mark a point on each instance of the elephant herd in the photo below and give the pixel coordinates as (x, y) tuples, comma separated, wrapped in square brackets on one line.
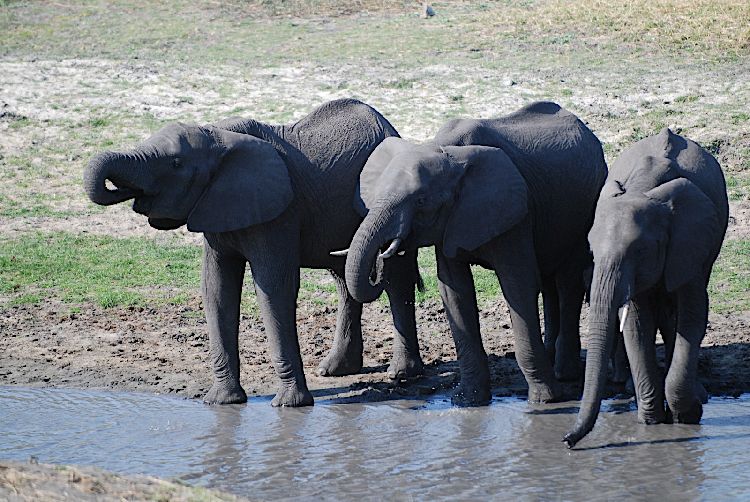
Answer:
[(527, 195)]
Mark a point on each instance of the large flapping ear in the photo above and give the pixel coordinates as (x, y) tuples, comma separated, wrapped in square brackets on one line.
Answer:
[(693, 231), (376, 163), (492, 198), (250, 185)]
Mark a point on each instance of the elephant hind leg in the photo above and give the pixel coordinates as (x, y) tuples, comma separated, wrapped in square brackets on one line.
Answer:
[(345, 356), (551, 304), (570, 292)]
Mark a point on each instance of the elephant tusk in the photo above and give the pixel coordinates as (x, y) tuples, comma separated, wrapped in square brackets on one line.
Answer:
[(623, 316), (343, 252), (391, 249), (401, 253)]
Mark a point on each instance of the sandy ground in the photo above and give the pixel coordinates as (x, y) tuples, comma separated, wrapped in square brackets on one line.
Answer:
[(36, 482)]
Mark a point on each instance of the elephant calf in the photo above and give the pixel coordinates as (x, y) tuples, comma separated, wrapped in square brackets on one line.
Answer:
[(514, 194), (659, 224), (278, 197)]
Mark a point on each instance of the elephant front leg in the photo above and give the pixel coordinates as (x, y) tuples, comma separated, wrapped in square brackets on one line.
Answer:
[(276, 287), (640, 344), (345, 357), (682, 378), (459, 299), (221, 285), (515, 265), (401, 277)]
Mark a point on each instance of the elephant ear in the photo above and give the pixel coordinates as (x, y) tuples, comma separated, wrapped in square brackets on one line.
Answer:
[(250, 185), (492, 198), (376, 164), (693, 231)]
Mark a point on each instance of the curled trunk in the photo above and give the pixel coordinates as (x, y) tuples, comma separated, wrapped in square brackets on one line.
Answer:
[(125, 171), (364, 265)]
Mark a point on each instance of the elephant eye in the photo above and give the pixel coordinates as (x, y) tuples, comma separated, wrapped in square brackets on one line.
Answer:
[(177, 163)]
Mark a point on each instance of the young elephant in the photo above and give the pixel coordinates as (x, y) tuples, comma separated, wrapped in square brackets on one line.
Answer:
[(659, 225), (514, 194), (278, 197)]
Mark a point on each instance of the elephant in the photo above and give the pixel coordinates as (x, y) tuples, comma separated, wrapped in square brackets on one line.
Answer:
[(514, 194), (278, 197), (658, 227)]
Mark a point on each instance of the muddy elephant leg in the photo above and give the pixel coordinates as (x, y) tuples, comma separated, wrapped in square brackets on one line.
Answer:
[(401, 277), (221, 286), (570, 291), (640, 343), (460, 301), (514, 261), (551, 305), (274, 259), (682, 378), (345, 356)]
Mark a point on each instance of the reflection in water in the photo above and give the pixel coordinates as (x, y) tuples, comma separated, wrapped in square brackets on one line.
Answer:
[(391, 449)]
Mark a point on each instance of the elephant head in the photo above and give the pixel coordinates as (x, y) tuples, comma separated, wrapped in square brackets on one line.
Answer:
[(212, 179), (651, 229), (412, 196)]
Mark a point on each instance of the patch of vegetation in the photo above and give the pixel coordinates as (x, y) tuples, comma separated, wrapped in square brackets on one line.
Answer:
[(738, 188), (104, 270), (730, 279)]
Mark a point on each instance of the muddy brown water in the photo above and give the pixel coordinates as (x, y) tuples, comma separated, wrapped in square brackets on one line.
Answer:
[(396, 449)]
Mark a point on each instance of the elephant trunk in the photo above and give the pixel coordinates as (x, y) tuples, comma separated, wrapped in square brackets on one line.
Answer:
[(364, 262), (125, 171), (605, 301)]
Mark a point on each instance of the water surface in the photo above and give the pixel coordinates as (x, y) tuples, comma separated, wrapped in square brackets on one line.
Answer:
[(397, 449)]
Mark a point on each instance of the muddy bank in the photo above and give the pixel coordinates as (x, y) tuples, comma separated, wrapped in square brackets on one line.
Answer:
[(165, 350), (33, 481)]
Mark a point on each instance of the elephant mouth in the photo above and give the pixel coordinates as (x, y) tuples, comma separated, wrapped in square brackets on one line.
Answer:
[(165, 223)]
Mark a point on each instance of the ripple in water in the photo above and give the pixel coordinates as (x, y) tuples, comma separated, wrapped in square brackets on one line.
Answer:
[(420, 449)]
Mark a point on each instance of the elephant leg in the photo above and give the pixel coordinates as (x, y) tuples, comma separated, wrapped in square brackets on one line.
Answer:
[(620, 364), (551, 305), (456, 286), (682, 378), (345, 356), (274, 261), (570, 289), (401, 277), (221, 287), (514, 262), (640, 343)]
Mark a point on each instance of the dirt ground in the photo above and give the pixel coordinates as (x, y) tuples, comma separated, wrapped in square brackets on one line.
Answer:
[(33, 482), (165, 351)]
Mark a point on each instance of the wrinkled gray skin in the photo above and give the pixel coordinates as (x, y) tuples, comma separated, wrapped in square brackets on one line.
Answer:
[(278, 197), (514, 194), (659, 224)]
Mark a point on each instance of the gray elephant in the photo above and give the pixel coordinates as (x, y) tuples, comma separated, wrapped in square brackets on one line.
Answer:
[(514, 194), (659, 224), (278, 197)]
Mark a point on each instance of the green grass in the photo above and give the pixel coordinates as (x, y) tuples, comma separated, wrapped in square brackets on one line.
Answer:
[(729, 289), (102, 270)]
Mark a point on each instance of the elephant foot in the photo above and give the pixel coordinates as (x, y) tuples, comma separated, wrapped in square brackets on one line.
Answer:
[(569, 369), (221, 393), (542, 393), (340, 362), (292, 396), (691, 415), (469, 396), (650, 417), (701, 393), (404, 366)]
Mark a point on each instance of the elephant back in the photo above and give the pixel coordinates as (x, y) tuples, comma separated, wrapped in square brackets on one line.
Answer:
[(560, 159)]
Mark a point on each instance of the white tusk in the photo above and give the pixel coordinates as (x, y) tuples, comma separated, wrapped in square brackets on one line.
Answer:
[(343, 252), (623, 316), (391, 249), (401, 253)]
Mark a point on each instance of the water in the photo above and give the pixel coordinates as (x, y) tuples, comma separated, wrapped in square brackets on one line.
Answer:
[(399, 449)]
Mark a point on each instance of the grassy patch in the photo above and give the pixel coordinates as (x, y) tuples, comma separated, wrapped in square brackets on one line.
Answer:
[(730, 279), (104, 270), (738, 188)]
